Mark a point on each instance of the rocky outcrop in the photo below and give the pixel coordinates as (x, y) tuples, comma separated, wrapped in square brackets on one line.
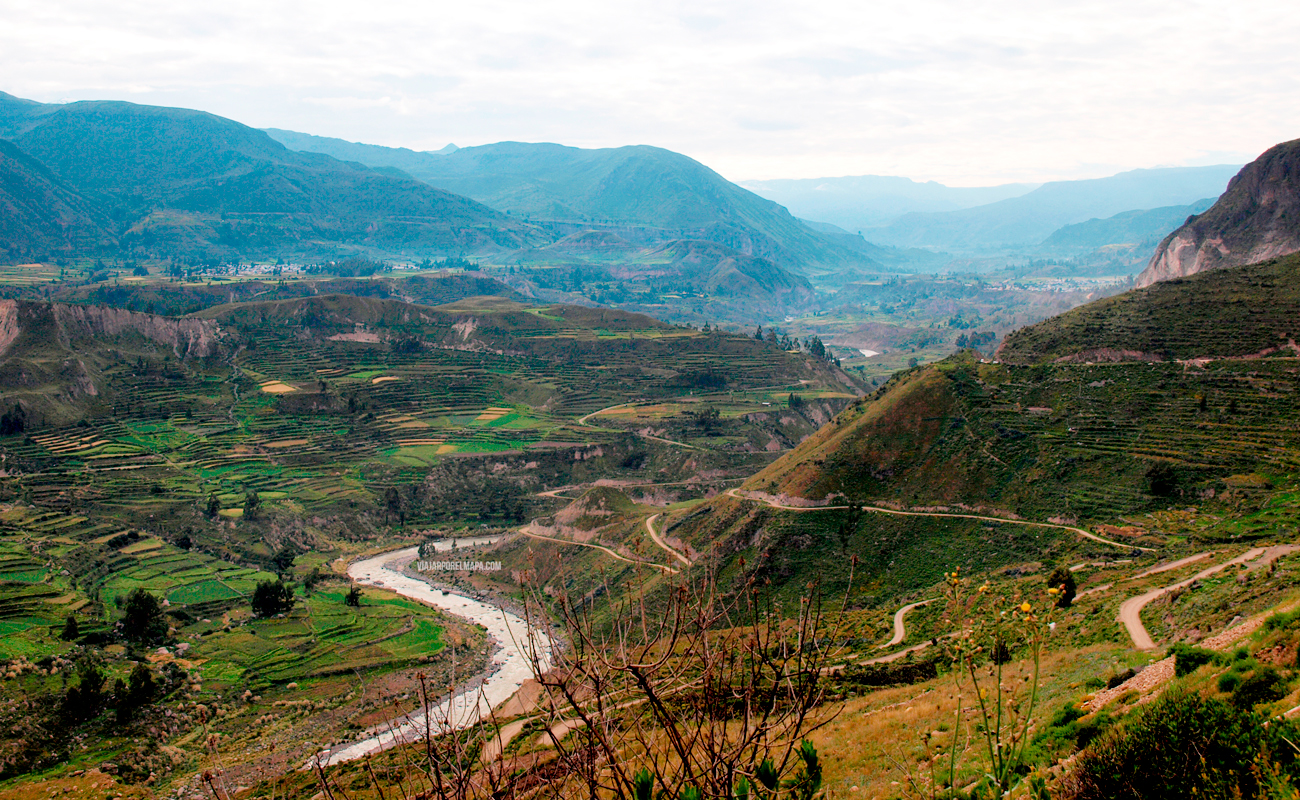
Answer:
[(1256, 219), (187, 337)]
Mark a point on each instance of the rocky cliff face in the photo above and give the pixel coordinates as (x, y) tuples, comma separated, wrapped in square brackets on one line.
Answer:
[(1256, 219), (187, 337)]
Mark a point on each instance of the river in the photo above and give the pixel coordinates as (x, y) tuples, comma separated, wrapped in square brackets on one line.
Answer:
[(517, 657)]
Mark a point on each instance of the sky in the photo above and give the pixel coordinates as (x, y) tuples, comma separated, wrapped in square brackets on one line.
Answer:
[(967, 93)]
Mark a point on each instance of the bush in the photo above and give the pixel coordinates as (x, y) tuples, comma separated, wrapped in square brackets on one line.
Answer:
[(1229, 681), (1062, 580), (1182, 745), (1283, 621), (1262, 686), (1188, 659)]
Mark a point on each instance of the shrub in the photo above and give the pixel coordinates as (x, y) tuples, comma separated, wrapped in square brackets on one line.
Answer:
[(1062, 580), (1262, 686), (1283, 621), (1116, 680), (1188, 659), (1229, 681), (1182, 745)]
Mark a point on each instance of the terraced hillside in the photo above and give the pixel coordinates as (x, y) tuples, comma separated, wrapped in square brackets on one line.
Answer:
[(324, 404), (1044, 439), (199, 456), (1246, 311)]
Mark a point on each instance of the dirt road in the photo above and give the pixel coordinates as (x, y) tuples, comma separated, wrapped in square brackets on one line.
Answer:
[(879, 510), (900, 632), (650, 528)]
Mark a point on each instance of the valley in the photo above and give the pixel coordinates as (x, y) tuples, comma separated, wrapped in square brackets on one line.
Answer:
[(724, 502)]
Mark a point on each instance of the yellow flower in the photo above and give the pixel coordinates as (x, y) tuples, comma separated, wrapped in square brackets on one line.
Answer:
[(1053, 591), (1024, 607)]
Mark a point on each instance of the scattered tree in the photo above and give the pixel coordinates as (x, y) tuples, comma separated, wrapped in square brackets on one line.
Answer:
[(71, 631), (706, 420), (271, 598), (85, 700), (283, 560), (143, 621), (252, 503), (214, 505), (353, 597)]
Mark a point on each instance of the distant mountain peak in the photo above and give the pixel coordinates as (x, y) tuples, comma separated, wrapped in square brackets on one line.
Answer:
[(1256, 219)]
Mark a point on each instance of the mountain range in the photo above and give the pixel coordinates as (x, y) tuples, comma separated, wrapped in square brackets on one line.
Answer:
[(645, 194), (857, 203), (1032, 217), (897, 212), (176, 181)]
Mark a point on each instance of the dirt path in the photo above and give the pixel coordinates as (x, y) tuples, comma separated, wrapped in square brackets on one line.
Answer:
[(1159, 568), (650, 528), (527, 532), (880, 510), (900, 632), (1130, 611), (495, 746), (583, 422), (555, 493)]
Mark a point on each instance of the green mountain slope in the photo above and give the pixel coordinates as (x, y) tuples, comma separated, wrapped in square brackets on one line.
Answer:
[(176, 178), (41, 215), (1030, 218), (1041, 438), (674, 196), (1232, 313)]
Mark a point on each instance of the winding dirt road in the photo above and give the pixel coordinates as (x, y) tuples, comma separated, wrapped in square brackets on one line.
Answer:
[(900, 632), (583, 422), (664, 567), (650, 528), (734, 493), (1130, 611)]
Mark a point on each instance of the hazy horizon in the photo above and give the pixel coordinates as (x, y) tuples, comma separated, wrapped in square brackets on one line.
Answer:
[(1003, 93)]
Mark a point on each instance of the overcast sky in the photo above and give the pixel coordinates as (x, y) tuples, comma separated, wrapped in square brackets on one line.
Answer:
[(966, 93)]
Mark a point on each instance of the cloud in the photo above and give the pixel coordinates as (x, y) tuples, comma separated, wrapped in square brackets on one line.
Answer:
[(965, 93)]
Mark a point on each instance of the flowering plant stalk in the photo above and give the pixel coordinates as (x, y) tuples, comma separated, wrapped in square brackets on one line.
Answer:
[(996, 649)]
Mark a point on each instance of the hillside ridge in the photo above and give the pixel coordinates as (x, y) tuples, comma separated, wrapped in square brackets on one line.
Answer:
[(1256, 218)]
